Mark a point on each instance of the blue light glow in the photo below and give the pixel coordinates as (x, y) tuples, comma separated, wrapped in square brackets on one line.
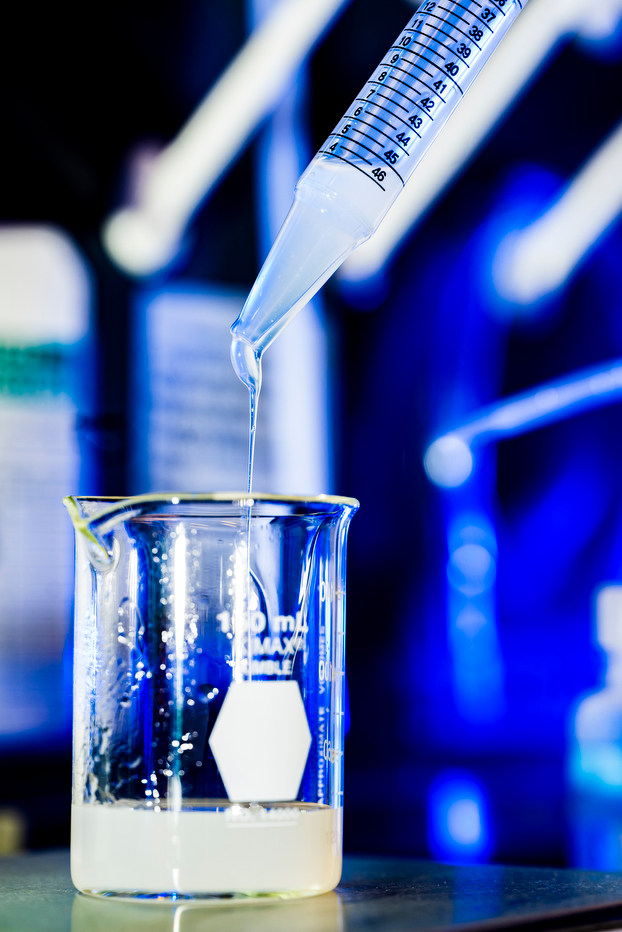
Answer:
[(604, 39), (478, 675), (595, 759), (446, 460), (458, 823)]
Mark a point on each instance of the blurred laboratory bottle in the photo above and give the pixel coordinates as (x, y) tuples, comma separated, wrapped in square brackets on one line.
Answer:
[(595, 759)]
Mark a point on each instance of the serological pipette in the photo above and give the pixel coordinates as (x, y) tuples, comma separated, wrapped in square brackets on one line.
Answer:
[(364, 164)]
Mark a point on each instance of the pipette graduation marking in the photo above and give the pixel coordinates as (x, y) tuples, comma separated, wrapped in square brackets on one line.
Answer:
[(416, 86), (362, 167)]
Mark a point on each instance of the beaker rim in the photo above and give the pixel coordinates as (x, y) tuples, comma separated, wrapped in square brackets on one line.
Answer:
[(117, 509), (175, 498)]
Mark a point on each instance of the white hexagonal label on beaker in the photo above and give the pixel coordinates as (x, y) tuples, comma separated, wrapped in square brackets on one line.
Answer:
[(261, 741)]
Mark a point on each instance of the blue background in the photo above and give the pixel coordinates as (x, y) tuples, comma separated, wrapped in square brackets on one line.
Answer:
[(480, 725)]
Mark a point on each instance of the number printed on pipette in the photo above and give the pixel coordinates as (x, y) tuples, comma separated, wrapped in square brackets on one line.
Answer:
[(416, 87)]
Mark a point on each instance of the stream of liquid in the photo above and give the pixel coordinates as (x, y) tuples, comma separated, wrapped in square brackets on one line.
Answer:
[(247, 365)]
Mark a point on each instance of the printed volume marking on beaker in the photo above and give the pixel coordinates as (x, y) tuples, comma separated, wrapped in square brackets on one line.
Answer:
[(271, 646), (260, 817), (259, 622), (330, 754), (271, 668), (328, 673), (327, 590)]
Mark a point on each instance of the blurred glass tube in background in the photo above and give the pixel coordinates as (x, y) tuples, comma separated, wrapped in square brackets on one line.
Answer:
[(449, 460), (44, 322), (469, 480), (539, 259), (146, 237)]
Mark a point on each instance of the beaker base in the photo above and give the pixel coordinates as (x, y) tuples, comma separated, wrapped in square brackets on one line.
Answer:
[(202, 899)]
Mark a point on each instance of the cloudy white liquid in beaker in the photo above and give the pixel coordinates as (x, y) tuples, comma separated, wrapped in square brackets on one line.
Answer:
[(116, 848)]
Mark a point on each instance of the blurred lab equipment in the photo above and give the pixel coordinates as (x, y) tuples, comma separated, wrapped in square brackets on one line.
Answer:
[(190, 417), (146, 237), (595, 758), (449, 460), (536, 261), (190, 413), (209, 698), (460, 460), (44, 370)]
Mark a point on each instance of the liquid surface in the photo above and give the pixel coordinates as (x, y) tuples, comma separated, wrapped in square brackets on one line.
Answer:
[(289, 850)]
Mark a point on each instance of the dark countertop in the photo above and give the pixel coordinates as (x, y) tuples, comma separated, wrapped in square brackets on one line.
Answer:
[(386, 895)]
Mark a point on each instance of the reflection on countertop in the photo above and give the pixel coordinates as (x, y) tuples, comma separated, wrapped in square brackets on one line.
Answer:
[(386, 894)]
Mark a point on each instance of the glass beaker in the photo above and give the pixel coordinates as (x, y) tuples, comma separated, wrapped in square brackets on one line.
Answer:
[(208, 694)]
